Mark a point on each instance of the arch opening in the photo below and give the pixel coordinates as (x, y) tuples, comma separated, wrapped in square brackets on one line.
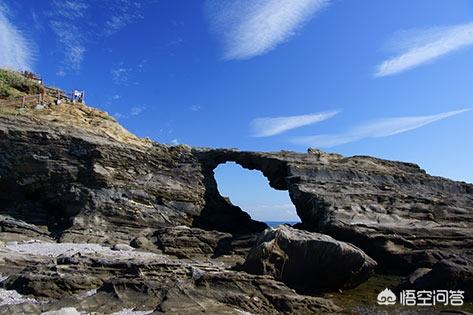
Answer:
[(250, 190)]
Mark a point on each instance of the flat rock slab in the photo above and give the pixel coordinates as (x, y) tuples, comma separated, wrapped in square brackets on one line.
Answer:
[(308, 261), (40, 277)]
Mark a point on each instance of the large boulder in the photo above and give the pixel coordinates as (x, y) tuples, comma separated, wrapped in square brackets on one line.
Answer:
[(453, 273), (308, 261)]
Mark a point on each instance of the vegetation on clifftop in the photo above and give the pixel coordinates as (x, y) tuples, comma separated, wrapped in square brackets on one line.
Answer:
[(42, 104), (14, 84)]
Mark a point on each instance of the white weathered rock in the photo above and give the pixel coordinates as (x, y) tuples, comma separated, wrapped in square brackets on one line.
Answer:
[(63, 311), (11, 297), (122, 247)]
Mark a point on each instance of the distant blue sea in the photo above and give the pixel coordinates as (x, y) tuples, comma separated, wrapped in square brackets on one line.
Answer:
[(276, 223)]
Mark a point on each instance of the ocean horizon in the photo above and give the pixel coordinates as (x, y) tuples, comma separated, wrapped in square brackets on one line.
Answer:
[(276, 223)]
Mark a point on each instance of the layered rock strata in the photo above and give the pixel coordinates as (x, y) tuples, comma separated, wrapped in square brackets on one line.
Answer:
[(71, 174)]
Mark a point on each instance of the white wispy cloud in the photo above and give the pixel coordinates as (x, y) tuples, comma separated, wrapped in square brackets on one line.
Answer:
[(376, 129), (122, 13), (16, 51), (37, 21), (137, 110), (111, 99), (78, 23), (120, 75), (66, 20), (70, 9), (195, 108), (250, 28), (72, 40), (123, 75), (417, 47), (270, 126), (119, 115), (134, 111)]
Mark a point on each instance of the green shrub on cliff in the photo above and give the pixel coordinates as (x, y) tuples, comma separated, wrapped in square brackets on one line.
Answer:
[(14, 84)]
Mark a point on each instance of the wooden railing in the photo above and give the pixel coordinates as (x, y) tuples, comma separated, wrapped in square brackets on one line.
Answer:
[(38, 99), (24, 101), (31, 100)]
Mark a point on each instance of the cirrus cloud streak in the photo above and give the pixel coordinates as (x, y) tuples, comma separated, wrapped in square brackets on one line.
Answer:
[(376, 129), (270, 126), (250, 28), (16, 51), (419, 47)]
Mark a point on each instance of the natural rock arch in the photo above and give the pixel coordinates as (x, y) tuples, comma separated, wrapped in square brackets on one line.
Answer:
[(249, 189), (218, 213)]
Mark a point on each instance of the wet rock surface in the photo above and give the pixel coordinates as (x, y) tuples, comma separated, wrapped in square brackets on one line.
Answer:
[(308, 261)]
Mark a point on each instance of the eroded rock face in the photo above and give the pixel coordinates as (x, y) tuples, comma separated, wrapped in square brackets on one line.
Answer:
[(72, 185), (68, 183), (394, 211), (308, 261), (186, 242), (82, 187)]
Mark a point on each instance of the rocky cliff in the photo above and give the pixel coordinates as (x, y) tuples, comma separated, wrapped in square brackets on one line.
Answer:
[(72, 175), (401, 216)]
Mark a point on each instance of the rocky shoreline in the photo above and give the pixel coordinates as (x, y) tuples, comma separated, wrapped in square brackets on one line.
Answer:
[(96, 219)]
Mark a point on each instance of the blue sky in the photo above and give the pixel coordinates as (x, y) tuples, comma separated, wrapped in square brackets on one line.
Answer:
[(390, 79)]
